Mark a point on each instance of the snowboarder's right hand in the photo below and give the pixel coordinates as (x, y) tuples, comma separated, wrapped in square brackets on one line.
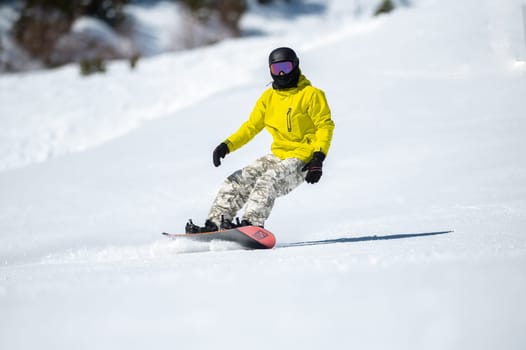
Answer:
[(220, 152)]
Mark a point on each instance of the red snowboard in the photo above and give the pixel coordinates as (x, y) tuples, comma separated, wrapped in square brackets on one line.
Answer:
[(250, 237)]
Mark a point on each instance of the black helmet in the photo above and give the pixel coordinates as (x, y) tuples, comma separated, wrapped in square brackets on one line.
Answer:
[(283, 54), (289, 80)]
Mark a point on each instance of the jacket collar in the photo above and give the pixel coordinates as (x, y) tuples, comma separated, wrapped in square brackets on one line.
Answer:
[(302, 83)]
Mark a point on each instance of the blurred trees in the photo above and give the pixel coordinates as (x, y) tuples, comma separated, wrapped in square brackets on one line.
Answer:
[(228, 12), (43, 23), (386, 6), (46, 29)]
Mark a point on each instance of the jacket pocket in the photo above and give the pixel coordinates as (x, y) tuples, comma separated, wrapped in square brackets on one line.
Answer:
[(289, 119)]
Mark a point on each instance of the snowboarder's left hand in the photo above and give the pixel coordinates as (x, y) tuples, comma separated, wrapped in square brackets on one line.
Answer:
[(314, 167), (219, 153)]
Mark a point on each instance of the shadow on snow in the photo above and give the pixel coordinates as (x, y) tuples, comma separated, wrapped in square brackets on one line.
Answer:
[(361, 239)]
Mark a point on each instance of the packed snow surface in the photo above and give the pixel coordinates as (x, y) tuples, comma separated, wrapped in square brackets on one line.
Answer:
[(429, 105)]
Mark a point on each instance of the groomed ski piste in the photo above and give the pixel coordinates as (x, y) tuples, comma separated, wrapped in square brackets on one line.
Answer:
[(429, 105)]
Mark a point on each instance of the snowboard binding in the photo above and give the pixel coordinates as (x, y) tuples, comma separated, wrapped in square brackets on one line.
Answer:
[(210, 226)]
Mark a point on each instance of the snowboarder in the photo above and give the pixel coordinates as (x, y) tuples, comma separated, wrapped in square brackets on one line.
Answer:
[(297, 116)]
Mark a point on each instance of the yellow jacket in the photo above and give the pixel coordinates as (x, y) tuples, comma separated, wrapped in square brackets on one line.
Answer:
[(299, 120)]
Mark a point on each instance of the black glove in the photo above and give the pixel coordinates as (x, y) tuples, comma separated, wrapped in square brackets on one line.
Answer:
[(220, 152), (313, 168)]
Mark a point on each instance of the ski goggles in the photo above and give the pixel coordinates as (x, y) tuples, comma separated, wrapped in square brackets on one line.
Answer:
[(285, 66)]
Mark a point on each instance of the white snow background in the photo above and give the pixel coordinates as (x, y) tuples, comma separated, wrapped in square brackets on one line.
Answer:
[(430, 110)]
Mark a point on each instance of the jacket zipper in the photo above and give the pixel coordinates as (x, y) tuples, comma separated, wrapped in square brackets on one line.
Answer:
[(289, 121)]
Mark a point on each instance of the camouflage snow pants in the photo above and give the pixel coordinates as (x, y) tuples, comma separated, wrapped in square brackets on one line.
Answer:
[(256, 187)]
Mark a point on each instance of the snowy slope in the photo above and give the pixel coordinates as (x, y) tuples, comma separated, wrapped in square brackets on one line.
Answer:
[(429, 110)]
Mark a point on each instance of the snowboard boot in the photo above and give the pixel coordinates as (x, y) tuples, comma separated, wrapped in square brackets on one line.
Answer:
[(226, 224), (244, 222), (210, 226)]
